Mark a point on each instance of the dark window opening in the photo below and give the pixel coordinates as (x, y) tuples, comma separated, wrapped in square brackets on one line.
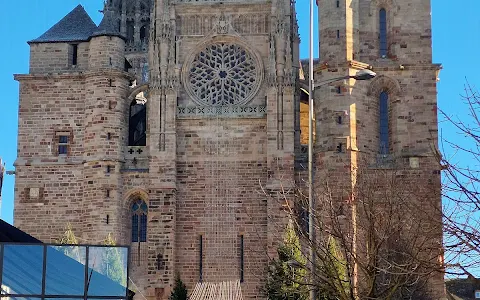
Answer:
[(130, 31), (339, 89), (144, 33), (200, 259), (108, 193), (340, 148), (109, 169), (74, 54), (139, 211), (338, 34), (63, 142), (383, 33), (137, 124), (338, 4), (339, 120), (384, 124), (242, 259)]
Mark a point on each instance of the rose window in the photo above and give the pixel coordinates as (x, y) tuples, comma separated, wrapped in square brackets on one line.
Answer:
[(223, 74)]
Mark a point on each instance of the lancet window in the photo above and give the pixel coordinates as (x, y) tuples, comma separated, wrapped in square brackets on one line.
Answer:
[(384, 123), (383, 33)]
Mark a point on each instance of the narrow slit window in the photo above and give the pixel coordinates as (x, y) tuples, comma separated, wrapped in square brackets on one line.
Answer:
[(200, 258), (383, 33), (242, 258), (338, 34), (74, 48), (338, 4), (384, 124)]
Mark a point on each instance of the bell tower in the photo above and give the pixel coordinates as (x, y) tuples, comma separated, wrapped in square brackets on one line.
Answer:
[(375, 129)]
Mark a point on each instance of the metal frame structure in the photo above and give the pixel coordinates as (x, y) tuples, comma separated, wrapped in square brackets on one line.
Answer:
[(87, 273)]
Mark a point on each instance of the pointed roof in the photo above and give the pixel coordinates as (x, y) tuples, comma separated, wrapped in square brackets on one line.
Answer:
[(77, 26), (109, 25)]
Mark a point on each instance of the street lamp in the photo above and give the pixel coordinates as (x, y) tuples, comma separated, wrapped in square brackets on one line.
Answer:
[(364, 74)]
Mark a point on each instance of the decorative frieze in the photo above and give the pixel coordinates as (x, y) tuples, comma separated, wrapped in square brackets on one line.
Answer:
[(200, 25), (222, 111)]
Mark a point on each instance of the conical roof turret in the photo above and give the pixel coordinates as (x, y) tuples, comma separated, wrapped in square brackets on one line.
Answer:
[(110, 25)]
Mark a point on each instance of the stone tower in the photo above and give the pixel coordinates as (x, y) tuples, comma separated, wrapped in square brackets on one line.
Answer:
[(383, 127)]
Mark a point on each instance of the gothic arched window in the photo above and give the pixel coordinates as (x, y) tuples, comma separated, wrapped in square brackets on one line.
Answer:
[(139, 211), (137, 126), (143, 33), (130, 31), (383, 33), (384, 124)]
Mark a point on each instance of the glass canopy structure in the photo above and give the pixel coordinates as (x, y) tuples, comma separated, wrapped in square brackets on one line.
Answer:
[(42, 271)]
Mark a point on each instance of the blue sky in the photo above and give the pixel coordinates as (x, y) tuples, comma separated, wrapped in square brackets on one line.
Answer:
[(455, 42)]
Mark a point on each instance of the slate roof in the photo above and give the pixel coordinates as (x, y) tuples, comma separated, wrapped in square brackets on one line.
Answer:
[(10, 234), (108, 26), (77, 26)]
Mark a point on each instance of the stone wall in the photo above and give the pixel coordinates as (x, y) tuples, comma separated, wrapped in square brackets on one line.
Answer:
[(57, 57), (221, 168)]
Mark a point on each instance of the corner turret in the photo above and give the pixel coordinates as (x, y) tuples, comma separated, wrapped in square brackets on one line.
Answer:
[(107, 44)]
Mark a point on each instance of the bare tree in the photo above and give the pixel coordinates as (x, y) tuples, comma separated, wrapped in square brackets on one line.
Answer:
[(379, 240), (461, 186)]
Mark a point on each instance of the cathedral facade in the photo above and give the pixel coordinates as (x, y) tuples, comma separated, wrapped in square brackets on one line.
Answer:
[(174, 124)]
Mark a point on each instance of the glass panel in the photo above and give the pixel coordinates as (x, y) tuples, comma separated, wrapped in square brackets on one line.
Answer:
[(135, 228), (22, 269), (18, 298), (62, 149), (107, 271), (65, 298), (63, 139), (383, 32), (65, 274), (137, 124), (135, 206), (144, 206), (383, 124), (143, 228)]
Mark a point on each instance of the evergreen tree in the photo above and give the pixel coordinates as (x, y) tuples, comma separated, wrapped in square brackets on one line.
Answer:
[(287, 274), (69, 238), (179, 291)]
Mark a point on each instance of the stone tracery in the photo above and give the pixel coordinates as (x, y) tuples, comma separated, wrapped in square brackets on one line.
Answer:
[(223, 74)]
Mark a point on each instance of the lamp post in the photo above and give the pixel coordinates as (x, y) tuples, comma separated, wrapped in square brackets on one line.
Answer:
[(360, 75)]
